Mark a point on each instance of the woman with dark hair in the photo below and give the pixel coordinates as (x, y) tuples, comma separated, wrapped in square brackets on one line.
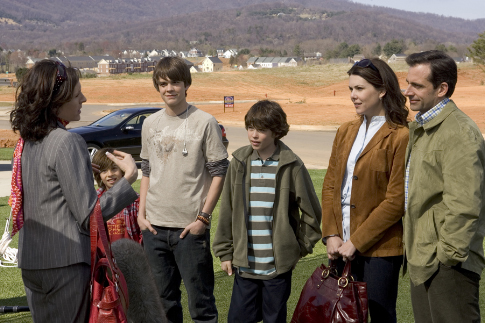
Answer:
[(363, 190), (53, 193)]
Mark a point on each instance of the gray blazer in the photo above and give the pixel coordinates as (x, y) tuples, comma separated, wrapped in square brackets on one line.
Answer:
[(59, 196)]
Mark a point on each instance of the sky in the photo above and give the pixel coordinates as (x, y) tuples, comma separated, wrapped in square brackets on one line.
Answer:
[(467, 9)]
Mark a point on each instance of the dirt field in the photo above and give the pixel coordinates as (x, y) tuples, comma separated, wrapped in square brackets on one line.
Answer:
[(313, 95)]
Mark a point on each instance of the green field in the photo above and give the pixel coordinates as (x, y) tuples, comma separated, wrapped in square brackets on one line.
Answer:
[(12, 292)]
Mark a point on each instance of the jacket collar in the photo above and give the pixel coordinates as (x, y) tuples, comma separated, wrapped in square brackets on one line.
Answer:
[(382, 133), (448, 109), (286, 154)]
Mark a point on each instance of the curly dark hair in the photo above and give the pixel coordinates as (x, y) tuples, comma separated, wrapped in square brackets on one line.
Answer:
[(267, 115), (383, 78), (37, 100)]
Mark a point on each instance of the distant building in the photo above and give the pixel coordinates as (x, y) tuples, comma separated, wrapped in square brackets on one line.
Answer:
[(211, 64), (347, 60), (397, 58), (194, 52), (273, 62), (220, 52), (31, 61), (230, 53)]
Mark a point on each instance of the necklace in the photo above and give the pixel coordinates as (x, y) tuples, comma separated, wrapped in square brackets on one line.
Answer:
[(185, 152)]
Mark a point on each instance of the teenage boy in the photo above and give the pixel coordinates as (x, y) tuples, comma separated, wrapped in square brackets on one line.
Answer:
[(260, 230), (184, 164), (444, 224)]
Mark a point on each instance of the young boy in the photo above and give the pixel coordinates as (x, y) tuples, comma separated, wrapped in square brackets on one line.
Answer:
[(260, 230), (184, 164), (124, 224)]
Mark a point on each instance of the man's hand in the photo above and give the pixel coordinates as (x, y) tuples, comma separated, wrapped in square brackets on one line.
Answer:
[(347, 250), (144, 224), (227, 267), (195, 228), (333, 245)]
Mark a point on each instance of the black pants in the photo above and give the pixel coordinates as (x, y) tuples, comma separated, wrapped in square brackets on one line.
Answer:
[(450, 295), (382, 276), (58, 294), (254, 300)]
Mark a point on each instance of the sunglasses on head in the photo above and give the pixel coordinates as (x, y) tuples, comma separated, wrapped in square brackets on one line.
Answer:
[(61, 76), (366, 63)]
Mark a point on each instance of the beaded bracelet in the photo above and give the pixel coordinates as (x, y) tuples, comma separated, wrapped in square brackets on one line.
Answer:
[(203, 220)]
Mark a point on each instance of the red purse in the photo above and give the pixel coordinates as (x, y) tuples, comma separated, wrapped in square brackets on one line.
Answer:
[(328, 298), (109, 292)]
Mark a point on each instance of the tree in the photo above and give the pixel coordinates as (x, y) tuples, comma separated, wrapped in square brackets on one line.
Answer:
[(20, 72), (394, 47), (297, 50), (477, 51), (52, 52), (441, 47), (376, 51)]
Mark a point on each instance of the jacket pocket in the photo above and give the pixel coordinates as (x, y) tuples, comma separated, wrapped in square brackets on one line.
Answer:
[(378, 160), (427, 238)]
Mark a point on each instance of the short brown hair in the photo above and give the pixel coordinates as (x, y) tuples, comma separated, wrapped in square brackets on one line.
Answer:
[(443, 68), (104, 164), (173, 68), (267, 115)]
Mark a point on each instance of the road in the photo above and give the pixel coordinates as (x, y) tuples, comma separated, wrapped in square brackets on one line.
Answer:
[(313, 147)]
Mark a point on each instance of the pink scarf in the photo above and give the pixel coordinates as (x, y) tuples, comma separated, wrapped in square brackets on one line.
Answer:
[(16, 195)]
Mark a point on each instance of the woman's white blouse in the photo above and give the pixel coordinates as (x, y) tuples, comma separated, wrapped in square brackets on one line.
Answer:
[(362, 139)]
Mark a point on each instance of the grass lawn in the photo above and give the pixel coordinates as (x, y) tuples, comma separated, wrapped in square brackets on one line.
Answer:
[(6, 153), (12, 291)]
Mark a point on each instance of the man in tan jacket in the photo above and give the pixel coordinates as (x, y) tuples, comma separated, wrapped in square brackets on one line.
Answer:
[(444, 223)]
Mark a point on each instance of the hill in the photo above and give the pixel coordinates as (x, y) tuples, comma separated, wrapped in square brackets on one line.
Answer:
[(116, 24)]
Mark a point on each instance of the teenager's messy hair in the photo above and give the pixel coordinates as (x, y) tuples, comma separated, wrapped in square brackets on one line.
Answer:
[(172, 68), (267, 115), (104, 164)]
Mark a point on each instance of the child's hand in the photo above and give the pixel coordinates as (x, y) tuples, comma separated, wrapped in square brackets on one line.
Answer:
[(227, 267)]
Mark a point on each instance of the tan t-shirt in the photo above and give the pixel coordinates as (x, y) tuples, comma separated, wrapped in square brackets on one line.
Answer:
[(179, 184)]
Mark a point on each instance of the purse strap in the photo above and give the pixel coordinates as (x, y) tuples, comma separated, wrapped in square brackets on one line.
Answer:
[(97, 230)]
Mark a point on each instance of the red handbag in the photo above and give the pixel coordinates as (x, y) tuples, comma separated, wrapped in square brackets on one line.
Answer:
[(109, 292), (328, 298)]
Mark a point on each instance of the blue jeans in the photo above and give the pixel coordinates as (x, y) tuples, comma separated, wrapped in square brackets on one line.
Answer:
[(189, 259)]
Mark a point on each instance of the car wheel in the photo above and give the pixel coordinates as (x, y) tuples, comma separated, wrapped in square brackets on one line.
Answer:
[(93, 149)]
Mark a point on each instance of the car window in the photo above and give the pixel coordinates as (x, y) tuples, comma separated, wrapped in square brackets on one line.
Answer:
[(137, 121), (112, 119)]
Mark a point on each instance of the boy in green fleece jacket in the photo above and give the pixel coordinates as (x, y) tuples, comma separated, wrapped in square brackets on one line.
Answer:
[(269, 218)]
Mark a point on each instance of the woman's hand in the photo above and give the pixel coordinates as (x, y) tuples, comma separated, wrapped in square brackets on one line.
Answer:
[(333, 244), (126, 163), (347, 251)]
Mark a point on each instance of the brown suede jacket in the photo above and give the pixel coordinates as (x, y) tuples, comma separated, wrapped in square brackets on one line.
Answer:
[(377, 199)]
